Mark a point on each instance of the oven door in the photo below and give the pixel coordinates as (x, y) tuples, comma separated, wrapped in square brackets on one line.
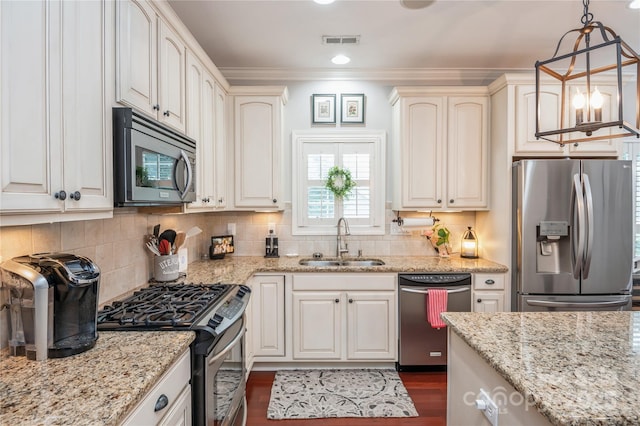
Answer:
[(225, 384)]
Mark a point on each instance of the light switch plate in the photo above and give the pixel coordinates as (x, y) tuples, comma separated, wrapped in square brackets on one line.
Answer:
[(271, 228)]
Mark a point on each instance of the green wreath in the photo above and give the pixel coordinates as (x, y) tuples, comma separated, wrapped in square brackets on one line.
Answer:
[(339, 182)]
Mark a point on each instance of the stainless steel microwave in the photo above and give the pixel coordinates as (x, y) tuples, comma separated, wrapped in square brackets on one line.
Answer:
[(152, 164)]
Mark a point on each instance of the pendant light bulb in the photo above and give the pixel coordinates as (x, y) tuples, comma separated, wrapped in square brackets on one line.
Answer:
[(596, 99), (578, 100)]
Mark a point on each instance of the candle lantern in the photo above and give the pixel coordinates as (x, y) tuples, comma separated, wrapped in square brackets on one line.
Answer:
[(469, 246)]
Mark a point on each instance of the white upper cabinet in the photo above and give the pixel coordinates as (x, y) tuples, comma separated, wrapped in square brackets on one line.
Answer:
[(518, 115), (150, 64), (258, 114), (440, 151), (206, 119), (56, 110)]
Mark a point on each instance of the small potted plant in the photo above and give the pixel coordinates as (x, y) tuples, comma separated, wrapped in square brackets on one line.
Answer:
[(439, 238)]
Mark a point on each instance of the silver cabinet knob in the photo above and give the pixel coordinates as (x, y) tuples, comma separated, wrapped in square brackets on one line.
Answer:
[(61, 195)]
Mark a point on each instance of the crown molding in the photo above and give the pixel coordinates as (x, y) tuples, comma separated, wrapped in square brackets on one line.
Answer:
[(441, 76)]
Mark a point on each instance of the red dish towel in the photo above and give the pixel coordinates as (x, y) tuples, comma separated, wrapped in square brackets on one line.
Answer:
[(436, 303)]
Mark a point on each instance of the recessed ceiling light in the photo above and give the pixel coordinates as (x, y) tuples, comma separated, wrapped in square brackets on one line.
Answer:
[(324, 1), (340, 59), (635, 4)]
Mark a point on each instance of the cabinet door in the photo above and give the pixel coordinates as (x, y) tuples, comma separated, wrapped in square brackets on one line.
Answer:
[(267, 293), (257, 151), (199, 125), (136, 53), (371, 326), (86, 104), (171, 77), (30, 142), (220, 176), (467, 152), (180, 413), (551, 103), (317, 325), (423, 154), (484, 301)]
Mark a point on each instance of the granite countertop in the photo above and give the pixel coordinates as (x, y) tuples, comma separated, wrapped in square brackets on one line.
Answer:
[(238, 269), (97, 387), (577, 368)]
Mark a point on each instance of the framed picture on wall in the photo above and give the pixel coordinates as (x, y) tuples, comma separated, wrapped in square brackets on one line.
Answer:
[(352, 108), (323, 109)]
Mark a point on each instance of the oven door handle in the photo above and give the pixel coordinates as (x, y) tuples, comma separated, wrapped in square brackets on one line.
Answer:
[(228, 347), (426, 290)]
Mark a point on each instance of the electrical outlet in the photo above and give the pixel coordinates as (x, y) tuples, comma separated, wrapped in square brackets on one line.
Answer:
[(271, 228), (396, 230), (488, 407), (231, 228)]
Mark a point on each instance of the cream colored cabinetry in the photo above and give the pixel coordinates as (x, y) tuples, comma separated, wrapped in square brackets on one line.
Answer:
[(488, 293), (258, 114), (440, 158), (344, 317), (169, 402), (523, 108), (150, 74), (206, 104), (268, 324), (55, 122)]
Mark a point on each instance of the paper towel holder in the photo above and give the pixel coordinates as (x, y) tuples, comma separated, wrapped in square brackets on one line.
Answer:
[(400, 221)]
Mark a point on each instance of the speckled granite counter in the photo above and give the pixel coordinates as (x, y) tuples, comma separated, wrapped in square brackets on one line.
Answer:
[(238, 269), (96, 387), (577, 368)]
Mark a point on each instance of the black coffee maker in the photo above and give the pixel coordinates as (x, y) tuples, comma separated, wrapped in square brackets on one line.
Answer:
[(53, 300)]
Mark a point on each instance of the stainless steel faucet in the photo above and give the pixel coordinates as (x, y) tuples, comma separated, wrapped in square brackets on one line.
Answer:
[(339, 243)]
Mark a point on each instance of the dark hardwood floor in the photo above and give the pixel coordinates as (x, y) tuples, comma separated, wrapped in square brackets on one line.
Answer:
[(428, 390)]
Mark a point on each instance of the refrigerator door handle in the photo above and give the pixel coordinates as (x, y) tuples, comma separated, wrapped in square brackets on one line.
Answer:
[(589, 219), (551, 304), (577, 256)]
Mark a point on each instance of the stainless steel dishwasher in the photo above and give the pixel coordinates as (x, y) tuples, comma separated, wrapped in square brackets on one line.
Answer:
[(420, 345)]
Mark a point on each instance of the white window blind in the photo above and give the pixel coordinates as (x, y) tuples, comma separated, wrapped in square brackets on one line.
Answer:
[(315, 209)]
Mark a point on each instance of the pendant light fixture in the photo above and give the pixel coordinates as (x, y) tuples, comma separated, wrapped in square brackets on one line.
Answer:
[(599, 55)]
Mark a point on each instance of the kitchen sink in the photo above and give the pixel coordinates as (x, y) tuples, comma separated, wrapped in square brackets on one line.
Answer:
[(338, 262)]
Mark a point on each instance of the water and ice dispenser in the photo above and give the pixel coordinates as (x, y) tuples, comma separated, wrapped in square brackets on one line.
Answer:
[(553, 246)]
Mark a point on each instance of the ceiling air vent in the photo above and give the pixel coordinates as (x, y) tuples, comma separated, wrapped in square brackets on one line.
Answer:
[(342, 39)]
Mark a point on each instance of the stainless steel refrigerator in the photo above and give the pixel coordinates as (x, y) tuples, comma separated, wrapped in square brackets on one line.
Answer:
[(572, 235)]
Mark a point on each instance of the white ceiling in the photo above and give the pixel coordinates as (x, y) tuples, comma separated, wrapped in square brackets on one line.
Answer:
[(281, 39)]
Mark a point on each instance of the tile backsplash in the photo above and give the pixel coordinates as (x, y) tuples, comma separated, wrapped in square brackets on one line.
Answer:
[(117, 244)]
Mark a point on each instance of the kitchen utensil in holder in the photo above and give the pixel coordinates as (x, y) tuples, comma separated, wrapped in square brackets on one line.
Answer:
[(271, 245), (166, 268)]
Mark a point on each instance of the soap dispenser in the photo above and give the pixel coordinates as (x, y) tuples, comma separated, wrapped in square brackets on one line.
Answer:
[(271, 245)]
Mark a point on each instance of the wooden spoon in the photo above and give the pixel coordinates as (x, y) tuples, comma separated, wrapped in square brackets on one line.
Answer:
[(180, 238)]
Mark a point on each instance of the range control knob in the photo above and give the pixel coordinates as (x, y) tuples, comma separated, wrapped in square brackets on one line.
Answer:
[(215, 321)]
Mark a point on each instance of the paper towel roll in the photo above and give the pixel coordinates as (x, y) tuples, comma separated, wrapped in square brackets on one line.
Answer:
[(418, 222)]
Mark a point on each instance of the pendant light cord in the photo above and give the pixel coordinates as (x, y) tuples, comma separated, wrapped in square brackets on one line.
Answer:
[(587, 17)]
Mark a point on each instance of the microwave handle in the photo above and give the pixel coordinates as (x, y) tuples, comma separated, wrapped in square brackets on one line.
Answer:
[(187, 163)]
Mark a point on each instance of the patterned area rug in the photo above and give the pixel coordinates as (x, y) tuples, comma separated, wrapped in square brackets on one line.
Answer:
[(315, 394)]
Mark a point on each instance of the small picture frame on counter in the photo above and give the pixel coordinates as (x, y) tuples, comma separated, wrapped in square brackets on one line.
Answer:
[(220, 246), (323, 109)]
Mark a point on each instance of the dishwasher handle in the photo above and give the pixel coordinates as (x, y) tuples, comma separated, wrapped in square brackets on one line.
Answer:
[(426, 290)]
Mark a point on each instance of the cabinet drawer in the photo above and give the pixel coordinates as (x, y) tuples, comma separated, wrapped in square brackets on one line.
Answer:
[(488, 281), (344, 282), (171, 385)]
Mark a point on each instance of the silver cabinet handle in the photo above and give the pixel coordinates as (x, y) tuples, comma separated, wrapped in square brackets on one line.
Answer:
[(426, 290), (489, 282), (161, 403)]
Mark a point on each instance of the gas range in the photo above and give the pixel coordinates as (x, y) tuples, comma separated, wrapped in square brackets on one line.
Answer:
[(205, 307), (216, 313)]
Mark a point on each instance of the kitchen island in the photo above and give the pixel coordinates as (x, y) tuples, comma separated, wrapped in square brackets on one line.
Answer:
[(97, 387), (563, 368)]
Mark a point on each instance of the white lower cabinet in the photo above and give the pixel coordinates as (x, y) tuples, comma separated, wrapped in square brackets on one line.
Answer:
[(169, 402), (488, 293), (344, 317), (268, 326)]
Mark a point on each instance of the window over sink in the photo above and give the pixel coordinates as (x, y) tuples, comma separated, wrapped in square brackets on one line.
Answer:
[(315, 208)]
